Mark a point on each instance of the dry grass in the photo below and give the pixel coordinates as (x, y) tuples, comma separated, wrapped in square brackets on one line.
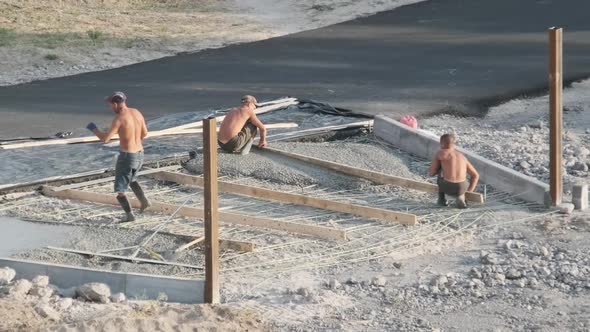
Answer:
[(60, 22)]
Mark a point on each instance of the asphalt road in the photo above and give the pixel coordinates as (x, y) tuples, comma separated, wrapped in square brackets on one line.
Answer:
[(434, 56)]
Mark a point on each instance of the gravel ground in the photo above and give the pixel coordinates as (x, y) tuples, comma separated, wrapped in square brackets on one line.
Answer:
[(516, 134), (484, 270)]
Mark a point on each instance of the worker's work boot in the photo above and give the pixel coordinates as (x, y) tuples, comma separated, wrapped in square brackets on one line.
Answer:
[(460, 203), (127, 208), (145, 203), (442, 201), (247, 147)]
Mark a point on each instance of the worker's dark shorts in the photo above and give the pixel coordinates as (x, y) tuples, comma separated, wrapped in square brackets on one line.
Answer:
[(128, 164), (452, 188), (237, 143)]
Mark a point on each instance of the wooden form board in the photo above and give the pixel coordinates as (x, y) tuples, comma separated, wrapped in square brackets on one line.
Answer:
[(112, 178), (251, 191), (322, 232), (94, 139), (376, 177), (189, 131), (265, 108)]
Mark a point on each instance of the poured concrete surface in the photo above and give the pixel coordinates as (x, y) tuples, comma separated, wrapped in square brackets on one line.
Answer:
[(434, 56), (18, 235)]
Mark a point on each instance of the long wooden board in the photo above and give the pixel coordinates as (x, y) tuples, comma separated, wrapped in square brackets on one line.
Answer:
[(151, 134), (265, 108), (232, 218), (251, 191), (376, 177), (112, 178)]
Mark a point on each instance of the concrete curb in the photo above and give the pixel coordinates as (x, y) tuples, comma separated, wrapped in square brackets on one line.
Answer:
[(133, 285), (500, 177)]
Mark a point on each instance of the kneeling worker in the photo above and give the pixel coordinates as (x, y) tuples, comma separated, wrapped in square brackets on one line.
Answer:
[(239, 128), (454, 167), (130, 125)]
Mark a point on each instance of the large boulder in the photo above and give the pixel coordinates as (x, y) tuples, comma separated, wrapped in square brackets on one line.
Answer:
[(6, 275), (95, 292)]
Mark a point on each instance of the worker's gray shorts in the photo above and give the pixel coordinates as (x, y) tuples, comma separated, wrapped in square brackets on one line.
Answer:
[(128, 164), (452, 188), (237, 143)]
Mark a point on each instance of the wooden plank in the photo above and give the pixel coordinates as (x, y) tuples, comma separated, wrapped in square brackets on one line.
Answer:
[(266, 107), (124, 258), (322, 232), (251, 191), (112, 178), (191, 131), (555, 114), (94, 139), (211, 214), (376, 177), (190, 244)]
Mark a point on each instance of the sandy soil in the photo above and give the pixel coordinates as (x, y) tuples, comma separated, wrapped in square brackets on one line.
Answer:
[(49, 38)]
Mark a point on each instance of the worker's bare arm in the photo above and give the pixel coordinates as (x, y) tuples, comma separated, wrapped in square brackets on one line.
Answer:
[(106, 137), (434, 166), (255, 121), (473, 174), (144, 130)]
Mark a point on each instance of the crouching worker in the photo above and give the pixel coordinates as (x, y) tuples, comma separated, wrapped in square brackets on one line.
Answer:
[(130, 125), (239, 128), (452, 168)]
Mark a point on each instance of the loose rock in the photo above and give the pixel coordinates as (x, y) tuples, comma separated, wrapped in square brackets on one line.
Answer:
[(6, 275), (20, 287), (334, 284), (45, 311), (379, 281), (566, 208), (42, 292), (41, 281), (64, 304), (95, 292), (118, 298)]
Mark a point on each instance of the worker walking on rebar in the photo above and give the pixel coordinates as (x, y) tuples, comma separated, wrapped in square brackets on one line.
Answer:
[(130, 126), (239, 128), (452, 168)]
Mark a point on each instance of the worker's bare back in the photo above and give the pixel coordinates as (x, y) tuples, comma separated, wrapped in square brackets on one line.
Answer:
[(131, 129), (233, 122), (453, 164)]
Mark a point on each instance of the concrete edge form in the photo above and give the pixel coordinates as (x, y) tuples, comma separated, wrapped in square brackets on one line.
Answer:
[(133, 285), (424, 145)]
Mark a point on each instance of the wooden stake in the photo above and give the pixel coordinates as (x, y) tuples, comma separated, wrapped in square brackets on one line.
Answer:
[(555, 114), (211, 222)]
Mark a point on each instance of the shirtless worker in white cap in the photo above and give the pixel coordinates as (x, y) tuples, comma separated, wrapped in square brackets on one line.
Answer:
[(130, 125), (239, 128)]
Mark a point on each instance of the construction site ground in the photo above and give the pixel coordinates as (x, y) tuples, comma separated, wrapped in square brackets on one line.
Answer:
[(505, 265)]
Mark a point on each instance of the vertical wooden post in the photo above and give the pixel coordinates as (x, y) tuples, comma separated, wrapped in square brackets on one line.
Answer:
[(211, 229), (555, 114)]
